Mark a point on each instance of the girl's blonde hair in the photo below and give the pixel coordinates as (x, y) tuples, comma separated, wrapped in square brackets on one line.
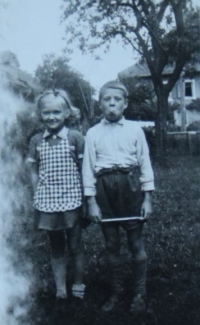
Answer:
[(62, 99)]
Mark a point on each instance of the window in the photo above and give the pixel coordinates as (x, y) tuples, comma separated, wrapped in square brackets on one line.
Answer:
[(189, 89)]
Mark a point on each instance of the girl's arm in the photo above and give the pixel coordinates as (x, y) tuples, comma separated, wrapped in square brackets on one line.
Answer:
[(33, 170), (33, 160)]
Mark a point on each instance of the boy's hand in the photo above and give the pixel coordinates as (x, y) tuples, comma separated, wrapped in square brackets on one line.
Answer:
[(94, 211), (146, 208)]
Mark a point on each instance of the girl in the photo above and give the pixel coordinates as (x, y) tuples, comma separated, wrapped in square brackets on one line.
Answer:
[(55, 156)]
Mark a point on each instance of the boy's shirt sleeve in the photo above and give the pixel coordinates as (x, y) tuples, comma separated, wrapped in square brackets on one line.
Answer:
[(146, 171), (88, 169)]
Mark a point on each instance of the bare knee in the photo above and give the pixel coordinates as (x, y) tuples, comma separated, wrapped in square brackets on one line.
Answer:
[(137, 250), (112, 247)]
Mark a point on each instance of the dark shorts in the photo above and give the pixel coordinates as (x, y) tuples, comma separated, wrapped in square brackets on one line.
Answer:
[(57, 220), (116, 197)]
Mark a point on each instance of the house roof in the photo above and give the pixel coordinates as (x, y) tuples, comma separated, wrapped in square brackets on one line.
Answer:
[(141, 70)]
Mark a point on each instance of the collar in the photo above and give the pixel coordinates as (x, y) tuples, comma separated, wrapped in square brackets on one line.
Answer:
[(120, 122), (61, 134)]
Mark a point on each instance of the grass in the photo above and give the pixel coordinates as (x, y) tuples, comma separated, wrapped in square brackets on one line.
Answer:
[(172, 238)]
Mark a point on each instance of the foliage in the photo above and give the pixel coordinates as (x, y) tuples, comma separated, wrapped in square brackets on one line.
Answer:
[(141, 99), (195, 126), (56, 73), (194, 105), (171, 127), (174, 106), (142, 102), (165, 33), (151, 139)]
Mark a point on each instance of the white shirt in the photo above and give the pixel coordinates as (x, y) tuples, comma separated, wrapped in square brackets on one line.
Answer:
[(120, 144)]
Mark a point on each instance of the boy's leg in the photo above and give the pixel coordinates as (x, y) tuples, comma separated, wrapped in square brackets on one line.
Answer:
[(58, 262), (112, 239), (76, 250), (139, 263)]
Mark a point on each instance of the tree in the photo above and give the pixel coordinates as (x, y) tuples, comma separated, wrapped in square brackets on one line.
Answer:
[(56, 73), (141, 101), (164, 32)]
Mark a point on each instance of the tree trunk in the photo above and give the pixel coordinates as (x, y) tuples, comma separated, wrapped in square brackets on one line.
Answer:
[(161, 124)]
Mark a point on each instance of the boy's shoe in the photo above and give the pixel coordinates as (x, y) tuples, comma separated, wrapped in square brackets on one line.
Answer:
[(138, 305), (111, 303)]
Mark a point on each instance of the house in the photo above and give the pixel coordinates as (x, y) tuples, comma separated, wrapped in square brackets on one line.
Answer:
[(15, 79), (185, 91)]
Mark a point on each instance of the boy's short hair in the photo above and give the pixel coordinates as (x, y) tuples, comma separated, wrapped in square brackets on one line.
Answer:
[(114, 84), (50, 94)]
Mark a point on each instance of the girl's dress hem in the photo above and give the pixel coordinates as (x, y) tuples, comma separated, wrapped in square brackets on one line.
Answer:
[(57, 220)]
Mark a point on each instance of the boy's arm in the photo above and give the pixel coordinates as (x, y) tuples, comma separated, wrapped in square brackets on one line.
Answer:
[(146, 208), (89, 179), (144, 163), (146, 174), (93, 209), (88, 168)]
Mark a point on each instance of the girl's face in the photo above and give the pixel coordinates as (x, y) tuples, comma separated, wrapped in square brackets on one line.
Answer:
[(54, 116)]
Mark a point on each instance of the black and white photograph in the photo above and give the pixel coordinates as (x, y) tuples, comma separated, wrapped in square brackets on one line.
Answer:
[(100, 162)]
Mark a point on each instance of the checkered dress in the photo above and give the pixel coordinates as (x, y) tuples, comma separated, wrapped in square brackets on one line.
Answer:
[(59, 186)]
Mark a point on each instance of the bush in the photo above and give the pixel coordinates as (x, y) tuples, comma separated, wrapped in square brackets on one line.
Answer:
[(194, 105), (150, 133), (195, 126)]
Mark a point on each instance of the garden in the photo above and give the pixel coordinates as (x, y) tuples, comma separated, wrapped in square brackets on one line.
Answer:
[(172, 238)]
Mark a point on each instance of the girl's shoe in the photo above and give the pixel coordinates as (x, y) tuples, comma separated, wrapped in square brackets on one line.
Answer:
[(61, 294), (59, 272), (78, 290)]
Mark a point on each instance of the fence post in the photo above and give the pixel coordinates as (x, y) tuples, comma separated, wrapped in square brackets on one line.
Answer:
[(189, 143)]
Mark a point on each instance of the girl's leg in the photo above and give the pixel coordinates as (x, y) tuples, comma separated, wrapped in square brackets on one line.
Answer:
[(76, 250), (58, 262)]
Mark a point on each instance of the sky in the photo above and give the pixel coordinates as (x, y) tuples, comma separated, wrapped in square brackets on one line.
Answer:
[(32, 28)]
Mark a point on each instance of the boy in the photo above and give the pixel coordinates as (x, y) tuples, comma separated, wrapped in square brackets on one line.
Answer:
[(115, 150)]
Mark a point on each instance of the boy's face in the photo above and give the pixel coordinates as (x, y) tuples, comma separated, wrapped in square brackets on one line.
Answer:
[(113, 104), (54, 116)]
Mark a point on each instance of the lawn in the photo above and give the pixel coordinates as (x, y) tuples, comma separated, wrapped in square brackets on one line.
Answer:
[(172, 238)]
